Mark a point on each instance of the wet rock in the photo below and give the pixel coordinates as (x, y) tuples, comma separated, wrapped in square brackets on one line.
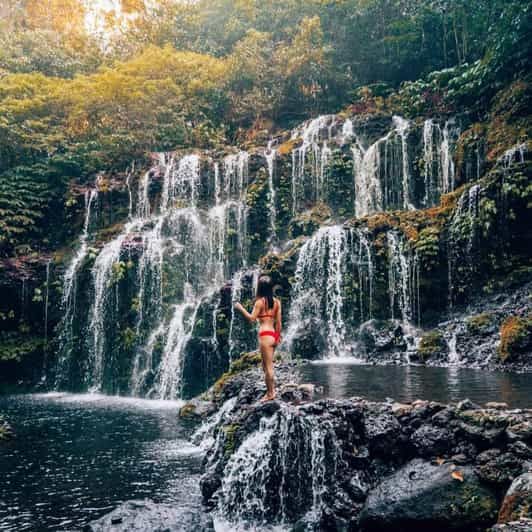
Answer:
[(517, 503), (523, 525), (147, 516), (497, 406), (500, 469), (421, 496), (196, 409), (297, 393), (382, 431), (430, 441), (520, 430), (380, 336)]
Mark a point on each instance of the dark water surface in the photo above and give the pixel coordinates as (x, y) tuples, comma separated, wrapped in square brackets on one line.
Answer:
[(406, 383), (74, 458)]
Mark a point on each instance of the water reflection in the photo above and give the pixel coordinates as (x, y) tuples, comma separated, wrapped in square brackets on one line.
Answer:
[(76, 457), (407, 383)]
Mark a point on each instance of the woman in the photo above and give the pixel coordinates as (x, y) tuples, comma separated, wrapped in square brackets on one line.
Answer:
[(267, 311)]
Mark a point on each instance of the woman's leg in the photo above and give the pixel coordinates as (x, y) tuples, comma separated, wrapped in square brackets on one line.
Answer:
[(267, 352)]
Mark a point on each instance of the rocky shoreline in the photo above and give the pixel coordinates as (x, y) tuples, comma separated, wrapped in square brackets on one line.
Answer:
[(305, 463), (361, 465)]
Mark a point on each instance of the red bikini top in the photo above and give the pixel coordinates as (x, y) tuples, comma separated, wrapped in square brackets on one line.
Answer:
[(266, 305)]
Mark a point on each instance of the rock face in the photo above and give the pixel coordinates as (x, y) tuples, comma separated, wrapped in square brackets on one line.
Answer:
[(517, 503), (422, 495), (360, 465), (145, 515)]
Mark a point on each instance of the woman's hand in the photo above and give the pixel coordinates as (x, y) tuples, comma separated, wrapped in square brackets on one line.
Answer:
[(238, 306)]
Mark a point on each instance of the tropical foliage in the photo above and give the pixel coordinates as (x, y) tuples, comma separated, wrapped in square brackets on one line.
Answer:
[(82, 92)]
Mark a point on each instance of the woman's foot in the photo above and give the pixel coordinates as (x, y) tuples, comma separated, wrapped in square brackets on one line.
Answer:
[(267, 397)]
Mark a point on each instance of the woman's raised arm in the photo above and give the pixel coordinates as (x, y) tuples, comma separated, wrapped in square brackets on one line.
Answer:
[(254, 314)]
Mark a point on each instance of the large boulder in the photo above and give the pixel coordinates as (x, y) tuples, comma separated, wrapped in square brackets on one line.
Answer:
[(422, 496), (147, 516), (517, 503)]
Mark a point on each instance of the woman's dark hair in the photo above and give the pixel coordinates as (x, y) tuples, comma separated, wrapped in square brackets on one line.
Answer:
[(265, 289)]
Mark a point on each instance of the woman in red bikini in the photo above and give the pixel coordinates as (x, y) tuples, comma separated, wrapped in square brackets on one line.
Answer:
[(267, 311)]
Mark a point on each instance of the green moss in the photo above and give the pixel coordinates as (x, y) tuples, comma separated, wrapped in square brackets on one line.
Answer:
[(229, 443), (430, 344), (187, 411), (480, 323), (308, 222), (129, 337), (246, 361), (516, 336)]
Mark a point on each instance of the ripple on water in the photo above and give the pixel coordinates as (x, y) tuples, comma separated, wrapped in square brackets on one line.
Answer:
[(76, 457)]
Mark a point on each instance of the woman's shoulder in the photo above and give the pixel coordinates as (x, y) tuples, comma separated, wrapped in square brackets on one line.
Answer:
[(277, 301)]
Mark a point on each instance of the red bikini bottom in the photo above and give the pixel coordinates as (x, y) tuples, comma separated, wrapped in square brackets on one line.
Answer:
[(275, 335)]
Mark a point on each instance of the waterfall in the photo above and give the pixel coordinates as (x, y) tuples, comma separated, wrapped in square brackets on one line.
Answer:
[(454, 356), (516, 154), (46, 301), (376, 170), (184, 251), (236, 174), (158, 283), (403, 279), (362, 259), (105, 266), (318, 295), (270, 154), (68, 300), (463, 233), (280, 472), (169, 378), (348, 131), (72, 270), (439, 168), (310, 183), (402, 127)]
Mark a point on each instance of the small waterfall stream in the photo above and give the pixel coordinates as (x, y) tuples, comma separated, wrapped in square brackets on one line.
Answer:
[(288, 464)]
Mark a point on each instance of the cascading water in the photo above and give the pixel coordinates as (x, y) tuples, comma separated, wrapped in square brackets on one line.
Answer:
[(382, 177), (288, 464), (187, 234), (318, 295), (362, 260), (310, 161), (177, 252), (463, 233), (68, 302), (403, 279), (438, 161), (270, 155)]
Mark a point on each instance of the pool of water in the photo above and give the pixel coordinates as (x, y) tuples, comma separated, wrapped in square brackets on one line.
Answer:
[(76, 457), (344, 378)]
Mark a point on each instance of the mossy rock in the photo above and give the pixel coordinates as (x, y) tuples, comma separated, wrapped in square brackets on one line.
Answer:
[(188, 411), (480, 323), (516, 336), (430, 345), (6, 432), (229, 443), (246, 361), (308, 222)]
